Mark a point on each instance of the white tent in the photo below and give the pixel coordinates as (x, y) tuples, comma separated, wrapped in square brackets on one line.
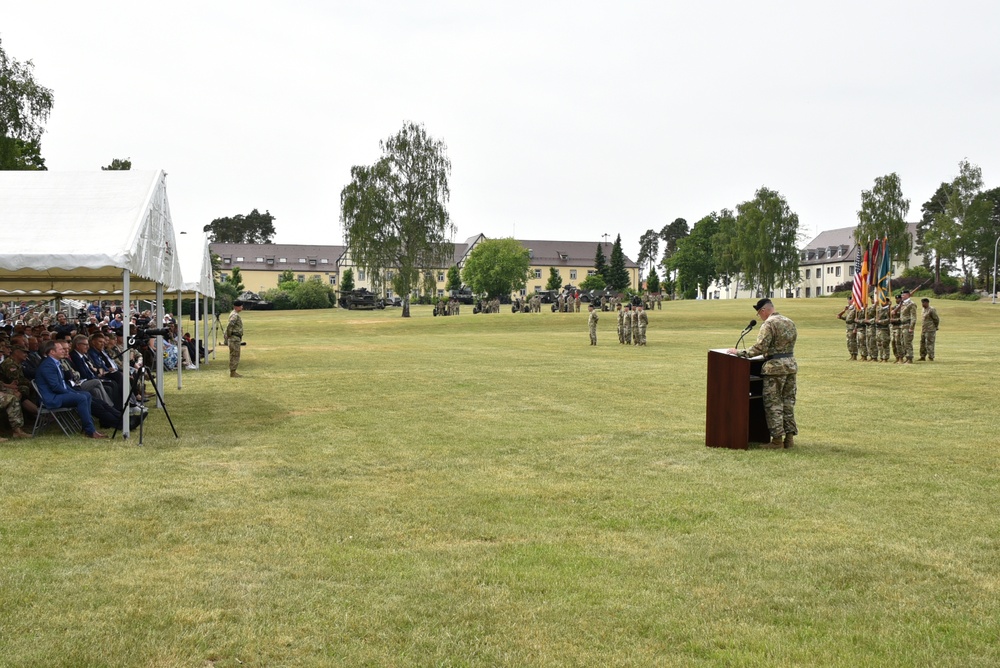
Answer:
[(198, 280), (87, 232)]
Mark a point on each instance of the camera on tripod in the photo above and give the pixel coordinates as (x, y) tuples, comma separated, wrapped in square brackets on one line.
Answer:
[(144, 334)]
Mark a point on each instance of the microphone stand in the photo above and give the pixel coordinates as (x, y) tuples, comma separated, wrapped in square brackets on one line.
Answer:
[(745, 332)]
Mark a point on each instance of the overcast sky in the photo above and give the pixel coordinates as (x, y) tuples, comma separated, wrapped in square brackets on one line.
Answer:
[(563, 120)]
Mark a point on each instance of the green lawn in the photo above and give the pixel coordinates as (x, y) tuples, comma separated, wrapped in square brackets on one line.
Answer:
[(491, 490)]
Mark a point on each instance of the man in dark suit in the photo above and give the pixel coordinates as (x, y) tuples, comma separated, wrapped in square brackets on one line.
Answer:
[(84, 364), (54, 391)]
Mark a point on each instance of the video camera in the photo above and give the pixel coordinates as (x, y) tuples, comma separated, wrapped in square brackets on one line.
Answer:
[(143, 334)]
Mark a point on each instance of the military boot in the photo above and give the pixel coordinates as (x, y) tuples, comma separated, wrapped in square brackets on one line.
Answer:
[(775, 444), (922, 359), (233, 374), (789, 440), (854, 357)]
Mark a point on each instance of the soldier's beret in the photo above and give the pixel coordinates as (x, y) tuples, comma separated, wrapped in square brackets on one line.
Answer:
[(19, 347), (761, 303), (237, 303), (905, 291)]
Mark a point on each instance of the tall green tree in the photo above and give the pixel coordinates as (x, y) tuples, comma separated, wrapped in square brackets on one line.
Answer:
[(981, 240), (672, 233), (118, 165), (952, 220), (347, 281), (883, 214), (236, 280), (253, 228), (311, 294), (767, 234), (601, 263), (649, 249), (430, 283), (24, 107), (454, 278), (724, 250), (618, 277), (395, 212), (653, 281), (287, 276), (497, 267), (694, 259), (555, 280)]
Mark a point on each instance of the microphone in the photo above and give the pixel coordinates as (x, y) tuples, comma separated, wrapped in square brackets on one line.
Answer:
[(746, 331)]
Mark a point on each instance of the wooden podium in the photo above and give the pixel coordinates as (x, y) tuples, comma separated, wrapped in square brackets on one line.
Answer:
[(734, 415)]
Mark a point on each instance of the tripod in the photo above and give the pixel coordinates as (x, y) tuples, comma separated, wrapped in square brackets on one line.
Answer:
[(137, 386)]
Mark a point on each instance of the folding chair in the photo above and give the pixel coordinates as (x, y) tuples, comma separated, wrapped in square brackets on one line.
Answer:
[(66, 418)]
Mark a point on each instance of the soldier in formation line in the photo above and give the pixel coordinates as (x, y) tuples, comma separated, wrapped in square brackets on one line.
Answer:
[(592, 324), (849, 316), (907, 322), (627, 324)]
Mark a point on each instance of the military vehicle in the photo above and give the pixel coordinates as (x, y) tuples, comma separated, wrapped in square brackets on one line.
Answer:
[(463, 295), (253, 302), (359, 300)]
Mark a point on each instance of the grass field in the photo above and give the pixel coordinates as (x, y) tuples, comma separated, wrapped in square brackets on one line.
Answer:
[(489, 490)]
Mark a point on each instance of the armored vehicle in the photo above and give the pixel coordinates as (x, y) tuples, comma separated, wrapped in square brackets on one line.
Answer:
[(359, 299)]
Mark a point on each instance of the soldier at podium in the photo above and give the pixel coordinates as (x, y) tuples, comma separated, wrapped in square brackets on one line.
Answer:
[(776, 342)]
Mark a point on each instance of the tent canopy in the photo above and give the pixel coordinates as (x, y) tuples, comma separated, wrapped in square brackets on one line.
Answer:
[(196, 265), (77, 232)]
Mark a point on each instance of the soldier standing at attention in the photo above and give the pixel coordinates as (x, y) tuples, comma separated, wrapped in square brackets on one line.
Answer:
[(635, 323), (928, 330), (849, 316), (776, 342), (894, 329), (907, 321), (234, 337), (882, 332), (621, 324), (592, 324), (627, 324), (870, 338), (643, 322), (861, 333)]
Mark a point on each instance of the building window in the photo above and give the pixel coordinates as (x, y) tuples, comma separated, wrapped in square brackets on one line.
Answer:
[(538, 273), (258, 259), (572, 274), (239, 259), (282, 259), (807, 273), (227, 260), (838, 271), (440, 277), (302, 278), (850, 271), (302, 260), (808, 292), (440, 293), (333, 279), (361, 274), (323, 260), (591, 272), (223, 277)]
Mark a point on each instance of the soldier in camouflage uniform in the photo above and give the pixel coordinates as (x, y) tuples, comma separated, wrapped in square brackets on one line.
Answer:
[(11, 404), (776, 342), (234, 337), (928, 330), (882, 332), (895, 331), (621, 324), (861, 334), (627, 324), (643, 322), (592, 323), (870, 338), (12, 375), (907, 322), (635, 323), (849, 316)]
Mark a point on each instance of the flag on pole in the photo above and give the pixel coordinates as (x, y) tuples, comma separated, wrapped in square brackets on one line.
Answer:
[(884, 274), (858, 289), (873, 264), (865, 264)]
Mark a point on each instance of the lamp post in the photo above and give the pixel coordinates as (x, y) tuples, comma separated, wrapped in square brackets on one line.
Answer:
[(995, 270)]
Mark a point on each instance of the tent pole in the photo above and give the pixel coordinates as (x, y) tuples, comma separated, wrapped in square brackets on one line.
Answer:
[(125, 361), (159, 344), (179, 341), (197, 346)]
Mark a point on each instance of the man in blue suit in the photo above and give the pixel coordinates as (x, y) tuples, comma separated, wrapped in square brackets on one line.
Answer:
[(56, 393)]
